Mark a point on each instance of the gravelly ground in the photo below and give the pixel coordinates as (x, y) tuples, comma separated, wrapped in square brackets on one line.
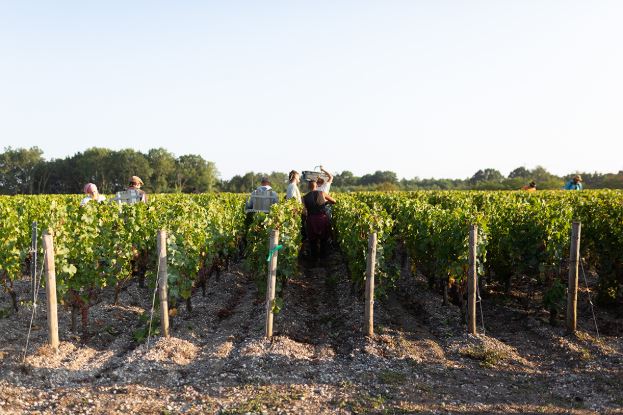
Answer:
[(420, 360)]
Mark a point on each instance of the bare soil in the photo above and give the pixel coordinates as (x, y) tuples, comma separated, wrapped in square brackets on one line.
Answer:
[(218, 362)]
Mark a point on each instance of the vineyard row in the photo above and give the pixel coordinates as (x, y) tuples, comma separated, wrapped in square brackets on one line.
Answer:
[(98, 246)]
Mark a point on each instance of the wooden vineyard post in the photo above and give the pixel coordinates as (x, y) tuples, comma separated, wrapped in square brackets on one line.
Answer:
[(472, 280), (369, 305), (271, 281), (50, 289), (163, 276), (572, 292), (33, 262)]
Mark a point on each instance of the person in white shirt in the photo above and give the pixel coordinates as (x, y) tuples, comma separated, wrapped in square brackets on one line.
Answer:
[(324, 185), (92, 193), (293, 192), (135, 184)]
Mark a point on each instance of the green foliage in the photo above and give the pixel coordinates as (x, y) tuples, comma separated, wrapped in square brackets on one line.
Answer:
[(250, 180), (554, 297), (520, 233), (434, 228), (96, 245), (24, 171), (354, 221), (527, 233), (18, 168), (194, 174), (142, 332), (286, 218), (601, 215)]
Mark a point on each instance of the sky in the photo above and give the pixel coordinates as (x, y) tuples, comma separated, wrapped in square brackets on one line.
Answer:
[(422, 88)]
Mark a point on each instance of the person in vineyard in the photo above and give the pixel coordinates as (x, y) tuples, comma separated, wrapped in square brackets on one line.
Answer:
[(293, 192), (324, 185), (135, 184), (92, 193), (317, 224), (264, 187), (530, 187), (575, 183)]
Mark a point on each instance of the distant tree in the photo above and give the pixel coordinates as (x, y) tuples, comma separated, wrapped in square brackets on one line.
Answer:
[(56, 176), (379, 177), (163, 166), (409, 184), (278, 181), (94, 165), (234, 185), (613, 181), (25, 171), (127, 163), (516, 183), (194, 174), (486, 175), (540, 174), (521, 172), (41, 177), (18, 168), (345, 179), (250, 181), (521, 176)]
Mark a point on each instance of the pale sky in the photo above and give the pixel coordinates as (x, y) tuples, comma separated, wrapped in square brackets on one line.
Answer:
[(423, 88)]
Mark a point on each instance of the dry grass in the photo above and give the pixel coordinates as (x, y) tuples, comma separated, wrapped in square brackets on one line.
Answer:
[(488, 357)]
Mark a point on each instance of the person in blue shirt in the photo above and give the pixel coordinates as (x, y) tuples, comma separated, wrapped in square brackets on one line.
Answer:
[(575, 183)]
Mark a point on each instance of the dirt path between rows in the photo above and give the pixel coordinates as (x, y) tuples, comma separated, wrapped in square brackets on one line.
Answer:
[(419, 361)]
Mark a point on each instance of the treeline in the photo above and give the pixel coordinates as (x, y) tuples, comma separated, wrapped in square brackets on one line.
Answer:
[(25, 171), (492, 179), (487, 179)]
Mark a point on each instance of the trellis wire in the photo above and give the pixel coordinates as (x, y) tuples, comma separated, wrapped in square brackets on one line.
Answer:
[(153, 303), (479, 301), (482, 316), (590, 300), (37, 285)]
